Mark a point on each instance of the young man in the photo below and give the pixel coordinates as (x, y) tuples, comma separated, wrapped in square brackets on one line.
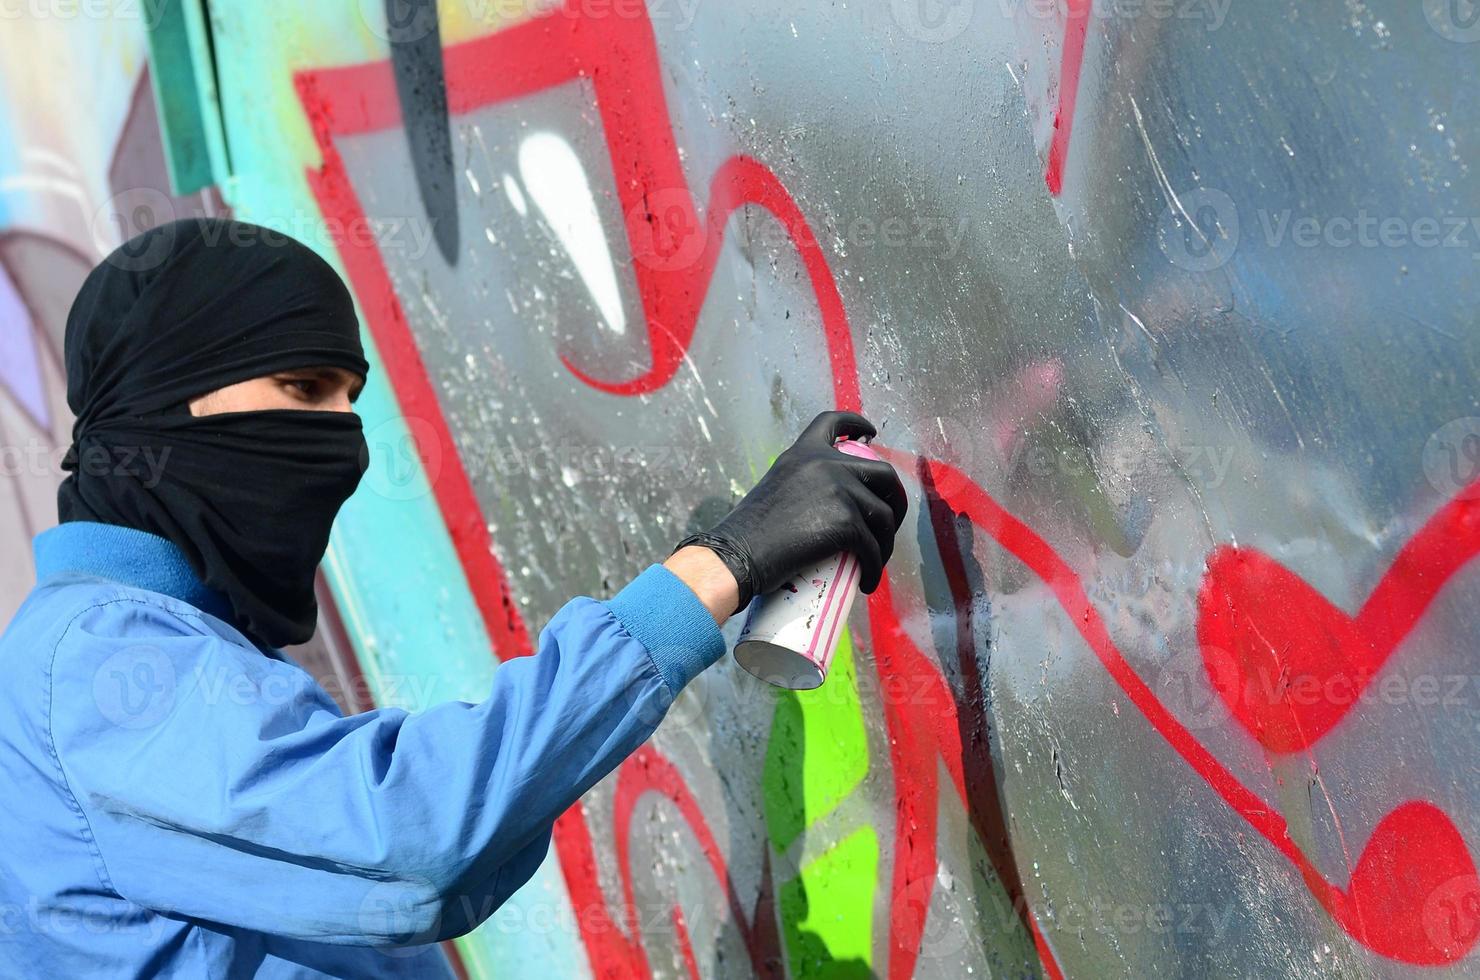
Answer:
[(181, 800)]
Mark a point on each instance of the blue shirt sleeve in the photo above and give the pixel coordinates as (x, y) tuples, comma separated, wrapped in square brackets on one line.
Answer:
[(215, 783)]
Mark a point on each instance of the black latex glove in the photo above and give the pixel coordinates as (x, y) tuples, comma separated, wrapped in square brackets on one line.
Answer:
[(813, 502)]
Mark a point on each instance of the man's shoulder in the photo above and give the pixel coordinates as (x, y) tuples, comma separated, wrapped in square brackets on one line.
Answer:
[(61, 629), (59, 603)]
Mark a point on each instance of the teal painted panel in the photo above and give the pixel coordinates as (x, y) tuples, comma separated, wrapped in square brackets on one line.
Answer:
[(185, 93)]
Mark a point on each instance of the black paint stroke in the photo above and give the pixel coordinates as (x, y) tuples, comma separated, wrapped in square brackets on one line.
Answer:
[(985, 807), (421, 85)]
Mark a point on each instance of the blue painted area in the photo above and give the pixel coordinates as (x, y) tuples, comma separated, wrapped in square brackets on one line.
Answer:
[(9, 164), (412, 612), (534, 934)]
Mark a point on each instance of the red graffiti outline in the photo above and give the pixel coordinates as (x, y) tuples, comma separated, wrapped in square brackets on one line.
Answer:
[(1076, 25), (1260, 626), (1372, 909), (648, 771), (619, 57)]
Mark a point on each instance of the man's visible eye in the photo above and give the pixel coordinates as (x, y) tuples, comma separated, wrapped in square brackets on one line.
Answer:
[(304, 386)]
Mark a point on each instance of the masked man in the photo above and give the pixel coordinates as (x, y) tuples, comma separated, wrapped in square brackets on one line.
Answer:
[(181, 799)]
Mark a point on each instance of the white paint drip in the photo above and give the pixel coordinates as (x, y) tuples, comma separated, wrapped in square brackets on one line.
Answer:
[(557, 181)]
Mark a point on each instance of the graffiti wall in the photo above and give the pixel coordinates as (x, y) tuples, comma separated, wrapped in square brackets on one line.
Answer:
[(1167, 312)]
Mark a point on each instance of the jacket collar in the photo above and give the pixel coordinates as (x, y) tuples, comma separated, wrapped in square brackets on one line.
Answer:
[(129, 557)]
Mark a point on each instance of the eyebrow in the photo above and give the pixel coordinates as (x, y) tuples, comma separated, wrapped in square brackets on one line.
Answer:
[(357, 383)]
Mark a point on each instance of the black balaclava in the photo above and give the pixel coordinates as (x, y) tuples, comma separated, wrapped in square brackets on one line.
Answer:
[(249, 497)]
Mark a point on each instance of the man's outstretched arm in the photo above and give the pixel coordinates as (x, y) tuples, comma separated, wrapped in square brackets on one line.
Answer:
[(251, 803)]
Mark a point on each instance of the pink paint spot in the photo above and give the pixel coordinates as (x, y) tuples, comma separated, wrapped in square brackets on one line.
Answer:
[(1033, 390)]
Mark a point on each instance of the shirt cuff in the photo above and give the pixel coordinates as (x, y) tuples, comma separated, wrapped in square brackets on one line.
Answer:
[(664, 615)]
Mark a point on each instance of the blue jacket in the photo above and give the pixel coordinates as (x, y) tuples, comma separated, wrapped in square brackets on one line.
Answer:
[(179, 803)]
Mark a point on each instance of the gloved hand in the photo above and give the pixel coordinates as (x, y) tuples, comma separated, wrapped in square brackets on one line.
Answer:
[(813, 502)]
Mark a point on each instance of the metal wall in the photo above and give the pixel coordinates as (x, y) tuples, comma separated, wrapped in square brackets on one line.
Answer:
[(1166, 310)]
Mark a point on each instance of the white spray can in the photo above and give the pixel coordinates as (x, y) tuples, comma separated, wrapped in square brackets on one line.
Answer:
[(791, 633)]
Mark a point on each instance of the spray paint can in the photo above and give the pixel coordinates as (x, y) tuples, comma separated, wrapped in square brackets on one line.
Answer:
[(790, 634)]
